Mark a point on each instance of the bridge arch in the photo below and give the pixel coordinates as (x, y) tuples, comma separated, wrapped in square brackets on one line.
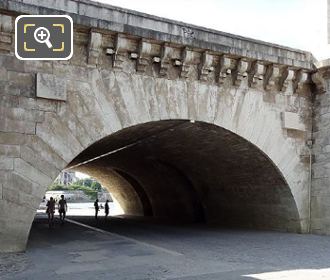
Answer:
[(107, 104), (192, 171)]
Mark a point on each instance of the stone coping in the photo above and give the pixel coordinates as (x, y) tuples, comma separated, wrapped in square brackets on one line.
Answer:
[(323, 63), (103, 16)]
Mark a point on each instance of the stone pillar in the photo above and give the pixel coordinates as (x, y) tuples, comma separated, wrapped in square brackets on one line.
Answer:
[(27, 164), (320, 192)]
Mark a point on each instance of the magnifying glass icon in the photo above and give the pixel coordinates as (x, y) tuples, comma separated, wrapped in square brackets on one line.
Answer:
[(41, 35)]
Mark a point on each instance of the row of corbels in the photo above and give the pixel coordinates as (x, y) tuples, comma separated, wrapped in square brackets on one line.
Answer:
[(270, 76)]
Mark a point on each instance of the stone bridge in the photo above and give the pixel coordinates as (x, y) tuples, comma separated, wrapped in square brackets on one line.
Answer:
[(177, 121)]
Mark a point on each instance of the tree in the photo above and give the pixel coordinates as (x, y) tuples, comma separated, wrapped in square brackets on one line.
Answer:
[(96, 186)]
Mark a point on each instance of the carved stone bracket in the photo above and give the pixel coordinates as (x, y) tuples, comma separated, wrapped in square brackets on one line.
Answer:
[(272, 77), (144, 56), (121, 52), (300, 80), (166, 58), (6, 27), (177, 60), (257, 74), (227, 64), (287, 79), (94, 47), (206, 66), (241, 71), (320, 82), (189, 59)]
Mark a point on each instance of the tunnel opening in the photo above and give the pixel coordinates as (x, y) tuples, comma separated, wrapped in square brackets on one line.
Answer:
[(189, 171)]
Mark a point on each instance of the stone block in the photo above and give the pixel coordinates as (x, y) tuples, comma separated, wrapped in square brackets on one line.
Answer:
[(30, 201), (15, 226), (37, 104), (3, 74), (45, 151), (10, 194), (51, 87), (58, 136), (9, 150), (10, 62), (32, 173), (20, 114), (292, 121), (9, 100), (64, 5), (33, 66), (6, 163), (33, 158), (18, 183), (6, 23), (8, 125), (23, 79), (12, 138)]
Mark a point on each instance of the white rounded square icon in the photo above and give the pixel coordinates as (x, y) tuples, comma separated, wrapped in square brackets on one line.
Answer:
[(43, 37)]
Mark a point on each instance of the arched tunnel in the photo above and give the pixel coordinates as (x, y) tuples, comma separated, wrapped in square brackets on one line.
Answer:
[(191, 171)]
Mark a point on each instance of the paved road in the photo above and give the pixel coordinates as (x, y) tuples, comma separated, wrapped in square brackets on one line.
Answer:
[(136, 250)]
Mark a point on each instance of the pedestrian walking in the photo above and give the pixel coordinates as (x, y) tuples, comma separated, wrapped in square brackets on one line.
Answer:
[(62, 208), (97, 208), (50, 211), (106, 209)]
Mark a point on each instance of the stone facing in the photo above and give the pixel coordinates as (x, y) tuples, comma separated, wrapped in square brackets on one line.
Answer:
[(129, 68), (328, 21), (51, 87), (321, 149)]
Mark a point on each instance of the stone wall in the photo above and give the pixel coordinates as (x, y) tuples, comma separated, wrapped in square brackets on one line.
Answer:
[(321, 149), (125, 73)]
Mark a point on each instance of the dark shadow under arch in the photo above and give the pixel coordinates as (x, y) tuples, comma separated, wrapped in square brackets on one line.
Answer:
[(147, 208), (208, 173)]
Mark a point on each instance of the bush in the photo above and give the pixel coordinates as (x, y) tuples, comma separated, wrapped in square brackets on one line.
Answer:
[(96, 186), (88, 186), (92, 194)]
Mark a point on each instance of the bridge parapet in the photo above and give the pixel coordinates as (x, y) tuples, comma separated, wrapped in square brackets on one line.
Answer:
[(151, 45)]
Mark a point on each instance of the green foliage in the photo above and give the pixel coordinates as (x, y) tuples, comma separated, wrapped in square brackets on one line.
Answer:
[(96, 186), (57, 187), (85, 182), (92, 194), (88, 186)]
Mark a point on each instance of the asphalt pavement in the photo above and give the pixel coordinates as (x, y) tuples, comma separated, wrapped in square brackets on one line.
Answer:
[(136, 249)]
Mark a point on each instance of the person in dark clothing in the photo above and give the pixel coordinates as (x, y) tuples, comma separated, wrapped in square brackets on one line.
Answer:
[(106, 209), (50, 211), (97, 208), (62, 208)]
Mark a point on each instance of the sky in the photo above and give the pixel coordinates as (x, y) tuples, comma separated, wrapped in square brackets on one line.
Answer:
[(299, 24)]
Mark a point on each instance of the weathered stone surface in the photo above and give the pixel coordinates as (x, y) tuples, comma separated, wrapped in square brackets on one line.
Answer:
[(53, 132), (51, 87), (9, 150), (12, 138), (6, 23), (6, 163), (24, 79), (29, 171), (8, 125), (321, 149), (29, 155), (292, 121), (199, 112)]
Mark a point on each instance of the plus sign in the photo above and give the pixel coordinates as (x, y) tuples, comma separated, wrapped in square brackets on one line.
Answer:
[(41, 34)]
